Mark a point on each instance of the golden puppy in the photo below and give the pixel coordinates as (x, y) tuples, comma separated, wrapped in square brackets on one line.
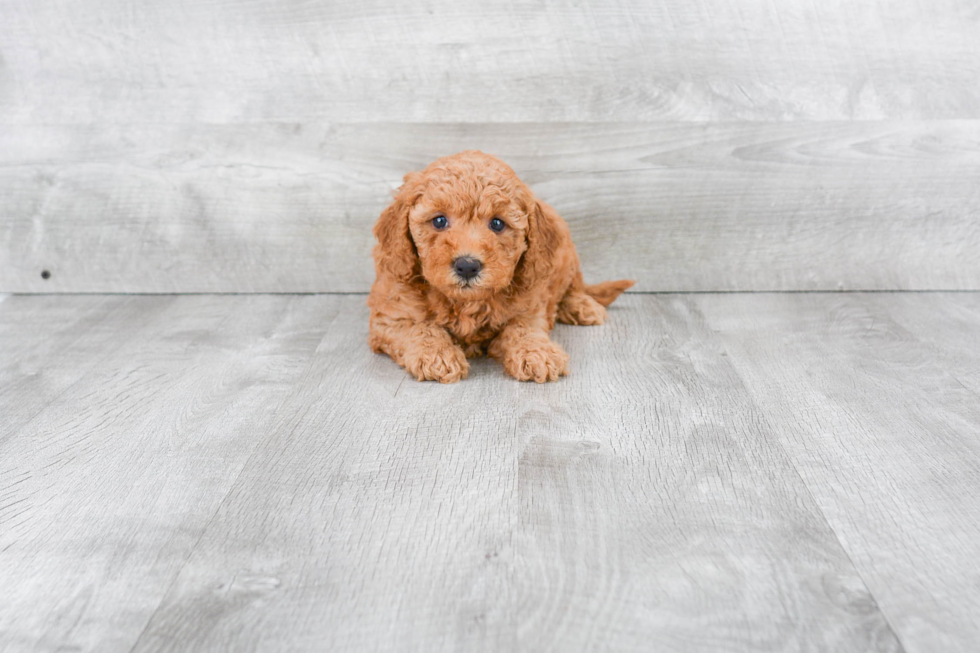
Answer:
[(469, 262)]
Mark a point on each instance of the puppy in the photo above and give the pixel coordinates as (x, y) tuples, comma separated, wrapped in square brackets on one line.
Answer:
[(470, 263)]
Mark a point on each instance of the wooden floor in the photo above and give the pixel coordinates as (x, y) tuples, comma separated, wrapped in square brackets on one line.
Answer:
[(720, 472)]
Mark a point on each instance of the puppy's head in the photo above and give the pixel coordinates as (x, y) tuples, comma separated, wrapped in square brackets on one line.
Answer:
[(466, 224)]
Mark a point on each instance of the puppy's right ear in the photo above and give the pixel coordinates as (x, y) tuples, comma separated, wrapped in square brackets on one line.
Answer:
[(395, 253)]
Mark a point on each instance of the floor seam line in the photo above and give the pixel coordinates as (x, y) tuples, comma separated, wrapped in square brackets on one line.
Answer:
[(777, 441)]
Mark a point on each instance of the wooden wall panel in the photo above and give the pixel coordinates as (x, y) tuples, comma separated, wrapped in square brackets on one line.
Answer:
[(202, 145), (471, 61), (678, 206)]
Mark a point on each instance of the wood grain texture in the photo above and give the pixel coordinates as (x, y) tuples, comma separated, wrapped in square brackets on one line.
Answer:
[(469, 61), (871, 409), (947, 328), (246, 475), (679, 207), (56, 342), (379, 517), (489, 515), (659, 511), (104, 495)]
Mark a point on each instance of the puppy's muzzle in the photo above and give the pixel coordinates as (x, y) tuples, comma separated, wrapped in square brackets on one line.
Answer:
[(467, 267)]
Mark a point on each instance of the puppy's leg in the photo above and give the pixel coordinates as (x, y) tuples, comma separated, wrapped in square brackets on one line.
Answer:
[(576, 307), (426, 351), (527, 353)]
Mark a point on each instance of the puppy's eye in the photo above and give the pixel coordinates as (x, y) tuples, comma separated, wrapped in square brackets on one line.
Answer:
[(497, 225), (440, 222)]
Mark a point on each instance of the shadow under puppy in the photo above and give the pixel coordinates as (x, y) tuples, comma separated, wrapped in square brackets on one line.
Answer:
[(470, 263)]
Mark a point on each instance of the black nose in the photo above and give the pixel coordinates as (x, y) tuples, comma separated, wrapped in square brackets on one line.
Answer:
[(467, 267)]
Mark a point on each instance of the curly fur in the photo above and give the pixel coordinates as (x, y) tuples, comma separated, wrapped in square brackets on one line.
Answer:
[(429, 320)]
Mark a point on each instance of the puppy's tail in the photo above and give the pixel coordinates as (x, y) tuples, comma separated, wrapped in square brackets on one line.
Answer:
[(606, 292)]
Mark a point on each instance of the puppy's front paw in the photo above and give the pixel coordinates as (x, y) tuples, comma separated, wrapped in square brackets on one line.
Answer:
[(539, 362), (445, 364)]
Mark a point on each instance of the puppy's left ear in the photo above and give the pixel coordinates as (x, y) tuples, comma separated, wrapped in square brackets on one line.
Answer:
[(395, 252), (544, 237)]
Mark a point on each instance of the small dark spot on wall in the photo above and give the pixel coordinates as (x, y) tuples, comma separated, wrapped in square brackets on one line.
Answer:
[(45, 274)]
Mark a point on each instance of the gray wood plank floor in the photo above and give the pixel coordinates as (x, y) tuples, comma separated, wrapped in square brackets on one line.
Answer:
[(767, 472)]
